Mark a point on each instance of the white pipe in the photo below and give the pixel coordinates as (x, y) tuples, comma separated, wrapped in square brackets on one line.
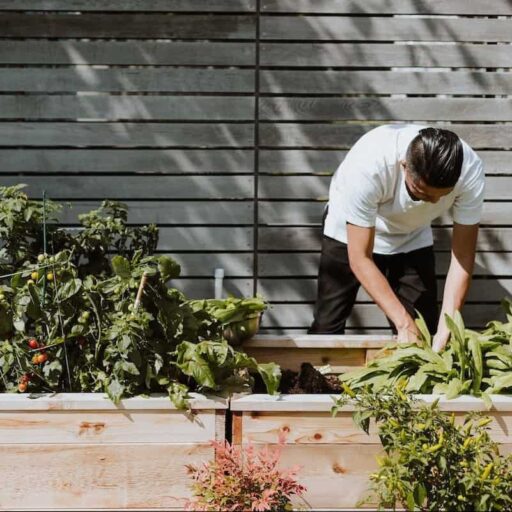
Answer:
[(219, 277)]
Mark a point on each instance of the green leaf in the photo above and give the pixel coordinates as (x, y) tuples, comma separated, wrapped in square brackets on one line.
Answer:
[(169, 269), (422, 327), (454, 388), (410, 501), (271, 375), (68, 289), (114, 391), (121, 267), (130, 368), (420, 494)]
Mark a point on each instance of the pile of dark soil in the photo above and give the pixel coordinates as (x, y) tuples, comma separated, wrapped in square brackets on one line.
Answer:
[(308, 380)]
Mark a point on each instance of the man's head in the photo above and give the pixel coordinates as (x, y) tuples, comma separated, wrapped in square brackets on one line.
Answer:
[(433, 164)]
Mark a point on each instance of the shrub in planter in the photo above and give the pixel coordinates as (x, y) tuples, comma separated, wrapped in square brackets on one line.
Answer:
[(241, 479), (430, 462)]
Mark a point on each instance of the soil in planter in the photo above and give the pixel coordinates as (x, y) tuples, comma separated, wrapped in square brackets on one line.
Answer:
[(308, 380)]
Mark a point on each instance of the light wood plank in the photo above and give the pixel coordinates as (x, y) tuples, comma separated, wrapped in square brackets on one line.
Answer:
[(92, 79), (151, 161), (307, 161), (339, 360), (368, 315), (404, 109), (331, 341), (138, 187), (391, 6), (98, 476), (100, 402), (384, 29), (280, 264), (332, 136), (384, 82), (156, 135), (128, 25), (129, 5), (126, 108), (151, 53), (106, 427)]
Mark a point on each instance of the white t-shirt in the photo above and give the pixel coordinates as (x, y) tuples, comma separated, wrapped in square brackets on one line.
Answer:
[(368, 189)]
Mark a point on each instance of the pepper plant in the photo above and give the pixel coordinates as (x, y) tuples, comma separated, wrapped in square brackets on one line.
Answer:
[(431, 461)]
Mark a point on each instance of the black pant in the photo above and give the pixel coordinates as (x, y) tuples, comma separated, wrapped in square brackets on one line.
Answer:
[(411, 276)]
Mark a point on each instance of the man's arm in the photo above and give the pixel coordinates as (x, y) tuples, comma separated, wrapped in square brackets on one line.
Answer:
[(458, 279), (360, 249)]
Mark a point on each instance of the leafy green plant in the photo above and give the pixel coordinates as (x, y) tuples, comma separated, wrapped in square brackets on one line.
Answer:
[(243, 478), (477, 363), (431, 462), (232, 309)]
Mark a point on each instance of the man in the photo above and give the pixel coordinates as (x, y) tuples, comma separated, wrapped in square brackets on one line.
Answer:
[(383, 197)]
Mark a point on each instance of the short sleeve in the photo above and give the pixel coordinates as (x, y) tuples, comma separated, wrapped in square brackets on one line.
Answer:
[(468, 205), (361, 202)]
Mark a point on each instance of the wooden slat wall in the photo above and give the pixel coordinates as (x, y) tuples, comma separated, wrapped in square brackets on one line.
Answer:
[(223, 121)]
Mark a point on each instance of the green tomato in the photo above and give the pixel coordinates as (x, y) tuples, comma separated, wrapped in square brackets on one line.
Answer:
[(40, 258), (86, 315), (2, 296)]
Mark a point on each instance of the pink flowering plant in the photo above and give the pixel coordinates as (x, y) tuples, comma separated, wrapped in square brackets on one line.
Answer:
[(242, 479)]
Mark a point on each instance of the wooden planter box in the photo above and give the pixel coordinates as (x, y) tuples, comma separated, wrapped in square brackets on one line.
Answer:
[(335, 455), (79, 451), (341, 352)]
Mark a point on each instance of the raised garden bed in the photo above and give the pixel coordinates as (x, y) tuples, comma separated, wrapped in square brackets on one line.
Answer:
[(341, 352), (80, 451), (335, 455)]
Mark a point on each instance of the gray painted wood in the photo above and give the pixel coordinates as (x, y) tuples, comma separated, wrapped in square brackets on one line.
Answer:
[(312, 161), (305, 264), (331, 28), (171, 212), (235, 264), (279, 81), (128, 25), (385, 109), (204, 288), (325, 135), (88, 79), (126, 134), (206, 239), (367, 315), (308, 239), (389, 7), (305, 290), (146, 53), (279, 213), (130, 107), (129, 5), (138, 187), (317, 187), (155, 161)]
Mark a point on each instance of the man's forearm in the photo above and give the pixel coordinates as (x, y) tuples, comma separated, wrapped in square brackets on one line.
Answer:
[(456, 288), (377, 286)]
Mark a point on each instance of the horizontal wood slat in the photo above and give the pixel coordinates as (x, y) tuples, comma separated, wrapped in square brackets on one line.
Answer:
[(403, 109), (120, 108), (303, 239), (487, 136), (204, 288), (281, 81), (87, 79), (384, 29), (283, 264), (126, 134), (370, 55), (305, 290), (317, 187), (204, 264), (326, 161), (128, 25), (138, 187), (129, 5), (159, 161), (171, 212), (367, 315), (98, 477), (281, 213), (390, 7), (142, 53)]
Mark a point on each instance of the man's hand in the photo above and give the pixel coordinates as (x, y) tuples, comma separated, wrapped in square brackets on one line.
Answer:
[(409, 333), (440, 340)]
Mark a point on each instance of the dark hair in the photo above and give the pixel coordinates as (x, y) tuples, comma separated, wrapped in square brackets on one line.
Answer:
[(436, 156)]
